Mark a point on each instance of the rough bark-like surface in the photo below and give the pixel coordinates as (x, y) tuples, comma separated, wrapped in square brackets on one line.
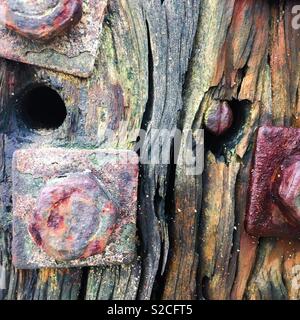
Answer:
[(161, 65)]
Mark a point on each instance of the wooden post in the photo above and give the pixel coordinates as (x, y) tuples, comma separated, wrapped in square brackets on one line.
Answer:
[(161, 65)]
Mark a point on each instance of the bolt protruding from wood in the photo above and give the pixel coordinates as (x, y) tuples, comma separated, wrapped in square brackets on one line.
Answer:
[(74, 217), (40, 19), (287, 184), (218, 118)]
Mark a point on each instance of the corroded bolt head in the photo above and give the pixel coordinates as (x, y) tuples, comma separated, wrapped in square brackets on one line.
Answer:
[(40, 19), (288, 184), (74, 217), (218, 118)]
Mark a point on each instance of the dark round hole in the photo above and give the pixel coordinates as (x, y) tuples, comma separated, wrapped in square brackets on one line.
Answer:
[(43, 108)]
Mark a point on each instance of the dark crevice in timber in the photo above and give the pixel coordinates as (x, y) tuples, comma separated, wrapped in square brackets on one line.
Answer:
[(241, 75), (204, 288), (157, 285), (142, 233), (149, 105), (84, 281), (160, 280), (269, 60)]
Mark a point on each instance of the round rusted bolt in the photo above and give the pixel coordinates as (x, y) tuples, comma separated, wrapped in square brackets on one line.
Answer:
[(287, 184), (40, 19), (74, 217), (218, 118)]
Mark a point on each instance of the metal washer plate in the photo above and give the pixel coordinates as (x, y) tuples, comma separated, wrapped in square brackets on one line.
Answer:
[(72, 53), (32, 168)]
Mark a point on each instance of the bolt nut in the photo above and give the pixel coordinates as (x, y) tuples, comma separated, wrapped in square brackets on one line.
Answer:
[(74, 207), (287, 184), (74, 217), (218, 118), (42, 19), (273, 209)]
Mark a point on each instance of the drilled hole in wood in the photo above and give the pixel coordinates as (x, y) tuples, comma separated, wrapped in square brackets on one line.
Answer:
[(218, 145), (42, 108)]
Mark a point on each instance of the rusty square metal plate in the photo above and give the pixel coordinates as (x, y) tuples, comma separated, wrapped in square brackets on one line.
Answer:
[(274, 206), (73, 207), (73, 52)]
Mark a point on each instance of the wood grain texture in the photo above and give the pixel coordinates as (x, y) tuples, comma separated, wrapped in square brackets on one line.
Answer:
[(160, 65)]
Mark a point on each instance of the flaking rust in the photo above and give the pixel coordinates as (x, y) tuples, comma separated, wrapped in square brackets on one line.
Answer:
[(73, 207), (274, 204)]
